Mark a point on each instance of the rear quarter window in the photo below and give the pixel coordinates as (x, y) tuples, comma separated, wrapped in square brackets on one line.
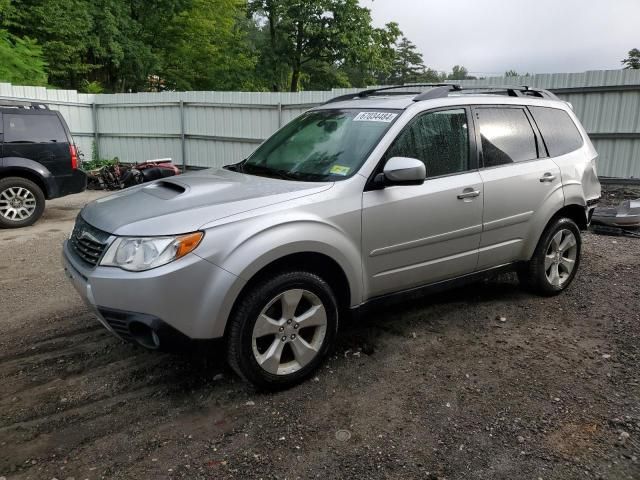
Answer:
[(33, 129), (560, 134)]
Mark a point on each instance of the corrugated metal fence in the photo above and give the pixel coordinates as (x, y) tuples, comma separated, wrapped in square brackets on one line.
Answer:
[(203, 129), (209, 129)]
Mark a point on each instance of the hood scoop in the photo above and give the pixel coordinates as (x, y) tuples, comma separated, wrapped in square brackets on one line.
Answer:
[(164, 189)]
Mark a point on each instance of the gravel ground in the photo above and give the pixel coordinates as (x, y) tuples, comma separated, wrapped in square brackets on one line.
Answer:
[(485, 382)]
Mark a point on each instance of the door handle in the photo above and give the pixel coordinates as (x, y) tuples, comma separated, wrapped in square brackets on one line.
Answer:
[(547, 177), (468, 193)]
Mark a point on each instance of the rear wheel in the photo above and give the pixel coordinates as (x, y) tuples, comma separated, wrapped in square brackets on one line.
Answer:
[(282, 330), (21, 202), (556, 259)]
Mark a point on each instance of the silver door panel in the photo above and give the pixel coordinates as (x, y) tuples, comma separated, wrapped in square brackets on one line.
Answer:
[(413, 235), (514, 198)]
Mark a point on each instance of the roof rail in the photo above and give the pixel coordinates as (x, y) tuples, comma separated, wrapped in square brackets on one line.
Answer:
[(441, 90), (373, 91), (23, 104), (510, 90)]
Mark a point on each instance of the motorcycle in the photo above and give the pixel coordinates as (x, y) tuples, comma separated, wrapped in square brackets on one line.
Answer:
[(119, 176)]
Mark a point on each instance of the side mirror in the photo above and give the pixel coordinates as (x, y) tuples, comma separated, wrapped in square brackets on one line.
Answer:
[(402, 171)]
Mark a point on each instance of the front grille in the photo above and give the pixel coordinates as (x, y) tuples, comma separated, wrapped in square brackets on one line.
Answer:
[(88, 242)]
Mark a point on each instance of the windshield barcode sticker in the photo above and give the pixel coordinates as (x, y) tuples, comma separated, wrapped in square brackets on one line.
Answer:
[(385, 117)]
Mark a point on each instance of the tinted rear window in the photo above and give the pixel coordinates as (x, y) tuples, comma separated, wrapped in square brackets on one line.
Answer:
[(506, 135), (33, 129), (558, 130)]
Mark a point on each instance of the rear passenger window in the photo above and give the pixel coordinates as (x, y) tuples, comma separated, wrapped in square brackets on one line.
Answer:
[(507, 136), (440, 139), (558, 130), (33, 129)]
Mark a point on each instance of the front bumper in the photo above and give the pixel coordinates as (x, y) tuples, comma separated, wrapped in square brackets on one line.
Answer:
[(191, 296)]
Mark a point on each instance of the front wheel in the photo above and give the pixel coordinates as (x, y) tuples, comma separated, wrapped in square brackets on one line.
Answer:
[(282, 330), (556, 259)]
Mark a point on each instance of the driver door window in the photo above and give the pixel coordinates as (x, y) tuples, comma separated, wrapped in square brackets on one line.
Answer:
[(439, 139)]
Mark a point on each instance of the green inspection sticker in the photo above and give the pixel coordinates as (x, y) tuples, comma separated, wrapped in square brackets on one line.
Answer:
[(339, 170)]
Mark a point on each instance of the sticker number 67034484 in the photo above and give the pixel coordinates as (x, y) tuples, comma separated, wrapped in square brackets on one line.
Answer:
[(386, 117)]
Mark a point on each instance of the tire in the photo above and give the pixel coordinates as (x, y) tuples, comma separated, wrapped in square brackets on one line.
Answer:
[(556, 259), (21, 202), (267, 340)]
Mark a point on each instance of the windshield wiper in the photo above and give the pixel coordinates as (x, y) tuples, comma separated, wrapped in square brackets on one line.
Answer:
[(235, 167), (268, 172)]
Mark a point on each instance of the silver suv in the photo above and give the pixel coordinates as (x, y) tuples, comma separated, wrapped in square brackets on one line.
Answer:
[(365, 197)]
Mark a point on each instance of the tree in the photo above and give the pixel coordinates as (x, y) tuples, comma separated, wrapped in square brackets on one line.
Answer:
[(408, 65), (632, 62), (432, 76), (306, 32), (373, 62), (115, 44), (140, 45), (22, 61), (21, 58), (209, 51), (513, 73), (64, 37), (460, 73)]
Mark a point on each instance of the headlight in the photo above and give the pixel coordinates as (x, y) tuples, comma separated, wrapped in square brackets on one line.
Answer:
[(137, 253)]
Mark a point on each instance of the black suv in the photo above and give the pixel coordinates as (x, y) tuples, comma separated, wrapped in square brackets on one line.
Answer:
[(38, 162)]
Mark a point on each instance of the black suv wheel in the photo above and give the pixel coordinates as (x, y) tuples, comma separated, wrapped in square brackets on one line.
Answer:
[(21, 202)]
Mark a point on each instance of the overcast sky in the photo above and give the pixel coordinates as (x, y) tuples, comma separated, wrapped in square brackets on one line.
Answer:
[(536, 36)]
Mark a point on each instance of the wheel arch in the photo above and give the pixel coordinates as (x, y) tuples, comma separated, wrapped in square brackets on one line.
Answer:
[(321, 264), (257, 244), (38, 176), (575, 212)]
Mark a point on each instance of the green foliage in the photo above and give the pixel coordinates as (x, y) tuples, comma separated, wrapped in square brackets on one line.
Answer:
[(513, 73), (97, 162), (314, 39), (63, 28), (91, 87), (152, 45), (632, 62), (407, 65), (22, 61), (460, 73), (209, 51), (94, 164)]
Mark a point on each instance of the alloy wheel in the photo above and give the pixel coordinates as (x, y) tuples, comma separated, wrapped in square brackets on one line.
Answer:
[(560, 258), (17, 203), (289, 332)]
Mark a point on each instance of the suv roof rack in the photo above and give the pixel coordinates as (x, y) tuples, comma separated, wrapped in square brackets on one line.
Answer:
[(510, 90), (441, 90), (23, 104), (373, 91)]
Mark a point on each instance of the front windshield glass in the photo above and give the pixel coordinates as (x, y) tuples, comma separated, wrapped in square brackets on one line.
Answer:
[(322, 145)]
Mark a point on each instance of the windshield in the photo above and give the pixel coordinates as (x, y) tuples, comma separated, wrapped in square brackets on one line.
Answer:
[(321, 145)]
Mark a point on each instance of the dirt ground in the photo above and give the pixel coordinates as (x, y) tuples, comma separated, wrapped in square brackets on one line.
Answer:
[(439, 387)]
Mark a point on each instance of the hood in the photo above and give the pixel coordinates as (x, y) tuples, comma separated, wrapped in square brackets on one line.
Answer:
[(185, 203)]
